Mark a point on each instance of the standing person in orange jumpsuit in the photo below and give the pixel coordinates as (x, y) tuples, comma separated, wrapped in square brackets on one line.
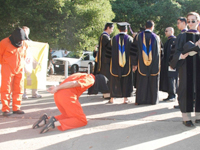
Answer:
[(66, 98), (12, 55)]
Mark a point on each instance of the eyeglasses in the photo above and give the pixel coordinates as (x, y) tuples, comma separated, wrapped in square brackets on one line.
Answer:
[(166, 31), (193, 21)]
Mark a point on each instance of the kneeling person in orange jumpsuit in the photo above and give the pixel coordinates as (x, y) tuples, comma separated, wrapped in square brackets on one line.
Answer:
[(12, 55), (66, 97)]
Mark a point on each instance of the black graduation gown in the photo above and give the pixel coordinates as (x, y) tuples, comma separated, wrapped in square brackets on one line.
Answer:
[(148, 76), (133, 53), (102, 65), (189, 74), (121, 84), (100, 85), (164, 73)]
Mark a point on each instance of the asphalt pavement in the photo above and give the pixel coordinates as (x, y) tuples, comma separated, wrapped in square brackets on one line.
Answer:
[(110, 127)]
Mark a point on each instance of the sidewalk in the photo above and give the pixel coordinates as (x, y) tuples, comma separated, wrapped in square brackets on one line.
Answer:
[(110, 127)]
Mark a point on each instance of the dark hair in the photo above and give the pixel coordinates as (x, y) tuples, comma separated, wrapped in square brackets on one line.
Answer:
[(110, 25), (182, 19), (123, 28), (149, 24)]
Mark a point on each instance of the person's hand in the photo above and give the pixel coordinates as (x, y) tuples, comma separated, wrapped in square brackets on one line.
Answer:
[(198, 43), (96, 47), (134, 68), (184, 56), (52, 89), (134, 34)]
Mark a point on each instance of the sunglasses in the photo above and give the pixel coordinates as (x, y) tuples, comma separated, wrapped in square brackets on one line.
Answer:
[(193, 21)]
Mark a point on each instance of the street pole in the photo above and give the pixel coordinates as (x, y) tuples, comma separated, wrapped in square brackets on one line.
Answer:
[(66, 69)]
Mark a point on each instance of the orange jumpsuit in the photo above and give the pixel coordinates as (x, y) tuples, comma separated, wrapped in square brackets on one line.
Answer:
[(72, 115), (12, 61)]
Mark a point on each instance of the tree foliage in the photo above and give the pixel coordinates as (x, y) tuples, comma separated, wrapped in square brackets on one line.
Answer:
[(163, 12), (68, 24), (76, 24)]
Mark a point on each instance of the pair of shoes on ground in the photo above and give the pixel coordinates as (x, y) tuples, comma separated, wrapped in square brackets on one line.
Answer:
[(43, 120), (190, 123), (7, 113)]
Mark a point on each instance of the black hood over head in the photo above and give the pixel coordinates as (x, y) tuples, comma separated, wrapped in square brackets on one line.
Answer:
[(17, 37)]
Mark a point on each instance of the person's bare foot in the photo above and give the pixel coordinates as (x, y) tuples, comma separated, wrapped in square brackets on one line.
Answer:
[(110, 101), (125, 100)]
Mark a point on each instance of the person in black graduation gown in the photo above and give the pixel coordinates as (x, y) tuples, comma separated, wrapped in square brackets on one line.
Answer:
[(134, 46), (168, 75), (102, 64), (182, 26), (120, 64), (188, 66), (147, 60)]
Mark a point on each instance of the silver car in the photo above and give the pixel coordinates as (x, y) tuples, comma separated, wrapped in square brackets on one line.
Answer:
[(76, 63)]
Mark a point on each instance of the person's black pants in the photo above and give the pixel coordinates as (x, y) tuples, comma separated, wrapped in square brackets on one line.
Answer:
[(171, 87)]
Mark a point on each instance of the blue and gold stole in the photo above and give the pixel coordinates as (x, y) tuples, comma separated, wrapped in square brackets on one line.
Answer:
[(121, 50), (147, 54)]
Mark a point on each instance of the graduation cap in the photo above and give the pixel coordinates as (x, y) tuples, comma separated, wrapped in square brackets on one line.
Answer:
[(190, 48), (123, 26)]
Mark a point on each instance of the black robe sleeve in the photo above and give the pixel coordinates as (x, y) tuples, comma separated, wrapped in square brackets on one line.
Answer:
[(175, 62), (134, 51), (108, 50)]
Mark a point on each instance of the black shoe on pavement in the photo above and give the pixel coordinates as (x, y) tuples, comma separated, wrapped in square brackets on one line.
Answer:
[(188, 123), (176, 106), (43, 118), (6, 113), (49, 125), (197, 121), (169, 99), (18, 112), (105, 97)]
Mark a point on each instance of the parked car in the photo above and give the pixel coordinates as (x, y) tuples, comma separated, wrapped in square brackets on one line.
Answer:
[(76, 63), (59, 53)]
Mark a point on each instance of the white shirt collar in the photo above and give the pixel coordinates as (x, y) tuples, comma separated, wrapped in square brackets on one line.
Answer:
[(148, 30), (122, 33)]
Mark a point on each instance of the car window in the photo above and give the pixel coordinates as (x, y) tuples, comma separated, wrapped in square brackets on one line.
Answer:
[(56, 54), (86, 57)]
